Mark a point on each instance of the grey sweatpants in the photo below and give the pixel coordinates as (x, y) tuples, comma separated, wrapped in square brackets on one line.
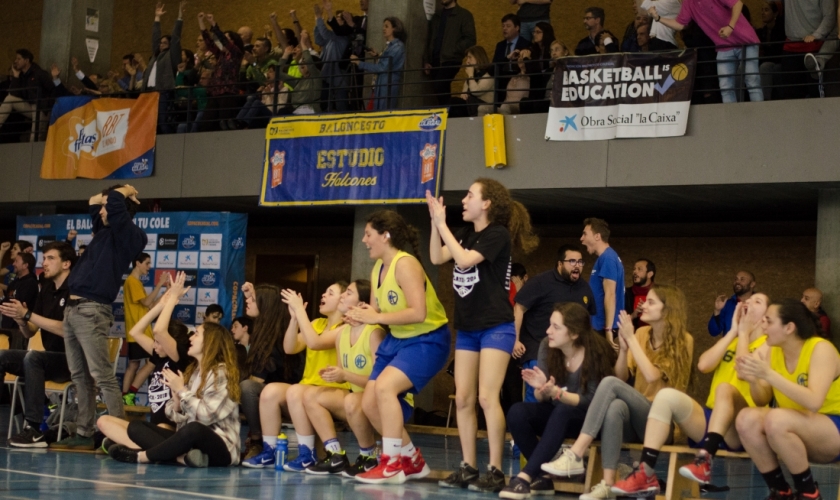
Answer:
[(619, 412)]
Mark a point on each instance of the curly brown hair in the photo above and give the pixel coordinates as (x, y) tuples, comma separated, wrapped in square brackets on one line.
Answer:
[(508, 212), (403, 235)]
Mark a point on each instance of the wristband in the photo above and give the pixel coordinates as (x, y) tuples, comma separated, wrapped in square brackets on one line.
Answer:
[(658, 18), (27, 315), (731, 27)]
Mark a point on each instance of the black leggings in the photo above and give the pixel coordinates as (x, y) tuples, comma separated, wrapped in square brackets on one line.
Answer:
[(551, 424), (163, 445)]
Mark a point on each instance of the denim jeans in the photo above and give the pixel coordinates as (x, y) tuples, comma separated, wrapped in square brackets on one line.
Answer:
[(86, 327), (250, 402), (34, 367), (727, 67)]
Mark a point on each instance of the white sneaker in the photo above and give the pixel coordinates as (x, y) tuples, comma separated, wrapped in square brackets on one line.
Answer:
[(599, 491), (566, 466)]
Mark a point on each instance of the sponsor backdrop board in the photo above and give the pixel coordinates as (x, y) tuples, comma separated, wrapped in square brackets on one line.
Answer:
[(382, 157), (208, 246), (621, 95), (101, 138)]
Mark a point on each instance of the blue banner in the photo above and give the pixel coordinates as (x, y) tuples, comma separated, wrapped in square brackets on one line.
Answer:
[(383, 157)]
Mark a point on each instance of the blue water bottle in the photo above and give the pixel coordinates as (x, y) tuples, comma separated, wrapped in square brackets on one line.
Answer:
[(281, 452)]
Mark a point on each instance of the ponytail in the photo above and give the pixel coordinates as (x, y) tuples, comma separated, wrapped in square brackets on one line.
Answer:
[(403, 236), (509, 213), (807, 323)]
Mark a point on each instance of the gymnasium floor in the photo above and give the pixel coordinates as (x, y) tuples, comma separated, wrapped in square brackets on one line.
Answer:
[(64, 475)]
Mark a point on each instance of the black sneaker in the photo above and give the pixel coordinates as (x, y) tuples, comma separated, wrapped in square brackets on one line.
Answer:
[(461, 478), (29, 438), (122, 453), (517, 489), (333, 463), (542, 485), (363, 464), (491, 482)]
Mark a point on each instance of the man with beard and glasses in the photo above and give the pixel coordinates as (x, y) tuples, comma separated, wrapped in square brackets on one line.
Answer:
[(644, 271), (536, 300), (743, 287)]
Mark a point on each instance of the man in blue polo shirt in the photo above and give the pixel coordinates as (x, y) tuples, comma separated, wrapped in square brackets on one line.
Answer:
[(743, 288), (94, 284), (607, 278)]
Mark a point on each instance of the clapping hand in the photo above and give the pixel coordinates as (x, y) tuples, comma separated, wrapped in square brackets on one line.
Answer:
[(534, 377), (332, 374), (437, 210), (364, 314), (173, 380), (752, 367)]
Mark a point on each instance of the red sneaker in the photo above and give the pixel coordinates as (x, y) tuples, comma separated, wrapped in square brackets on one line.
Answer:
[(415, 467), (389, 471), (637, 483), (700, 470)]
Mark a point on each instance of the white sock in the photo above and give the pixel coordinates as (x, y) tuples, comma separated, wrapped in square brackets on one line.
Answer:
[(391, 446), (308, 441), (332, 445), (408, 450), (270, 440)]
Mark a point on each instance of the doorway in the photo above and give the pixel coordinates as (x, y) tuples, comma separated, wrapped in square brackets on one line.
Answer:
[(296, 272)]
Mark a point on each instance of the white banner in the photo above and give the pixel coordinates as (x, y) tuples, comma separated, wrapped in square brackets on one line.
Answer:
[(664, 119)]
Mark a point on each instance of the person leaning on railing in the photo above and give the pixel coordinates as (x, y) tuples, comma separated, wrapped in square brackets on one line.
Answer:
[(388, 66), (476, 98)]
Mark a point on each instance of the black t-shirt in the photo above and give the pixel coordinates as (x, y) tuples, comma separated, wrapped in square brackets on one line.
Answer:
[(481, 292), (24, 289), (538, 295), (279, 357), (159, 393), (529, 12), (50, 304)]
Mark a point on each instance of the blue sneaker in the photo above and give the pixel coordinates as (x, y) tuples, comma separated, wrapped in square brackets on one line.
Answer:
[(264, 459), (303, 460)]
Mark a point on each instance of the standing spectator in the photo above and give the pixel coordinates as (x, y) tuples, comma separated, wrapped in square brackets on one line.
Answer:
[(812, 298), (607, 278), (644, 272), (333, 47), (203, 57), (667, 8), (30, 92), (743, 289), (518, 277), (540, 53), (255, 65), (593, 22), (306, 90), (451, 33), (507, 53), (808, 24), (389, 65), (734, 40), (224, 101), (246, 34), (530, 13), (24, 289), (772, 36), (35, 366), (536, 301), (94, 284), (163, 66), (476, 96)]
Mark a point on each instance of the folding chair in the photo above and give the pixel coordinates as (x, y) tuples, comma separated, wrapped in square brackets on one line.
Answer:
[(35, 344)]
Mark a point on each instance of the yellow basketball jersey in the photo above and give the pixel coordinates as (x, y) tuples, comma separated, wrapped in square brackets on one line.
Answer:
[(390, 298), (831, 405), (356, 358), (317, 360), (725, 372)]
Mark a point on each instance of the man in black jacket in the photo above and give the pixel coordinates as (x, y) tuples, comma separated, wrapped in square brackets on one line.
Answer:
[(593, 22), (30, 91), (451, 33), (505, 58), (163, 66)]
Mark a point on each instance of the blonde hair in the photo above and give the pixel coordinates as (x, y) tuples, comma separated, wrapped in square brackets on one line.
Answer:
[(675, 359), (560, 43), (219, 351)]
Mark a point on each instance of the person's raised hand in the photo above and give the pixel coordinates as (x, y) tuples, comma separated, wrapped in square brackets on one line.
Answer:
[(5, 246), (74, 63), (534, 377), (291, 298), (720, 301), (211, 20), (437, 211), (293, 15), (273, 17), (159, 10), (182, 8), (348, 18), (305, 39), (652, 12), (318, 11)]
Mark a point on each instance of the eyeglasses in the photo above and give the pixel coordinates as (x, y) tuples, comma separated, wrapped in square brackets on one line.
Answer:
[(574, 262)]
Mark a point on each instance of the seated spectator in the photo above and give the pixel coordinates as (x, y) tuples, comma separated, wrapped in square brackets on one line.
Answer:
[(628, 43), (241, 328), (518, 89), (772, 36), (808, 25), (163, 66), (223, 101), (476, 97), (265, 103), (593, 22), (648, 44), (558, 51), (530, 14), (743, 288), (506, 55), (539, 52), (255, 65), (451, 33), (30, 91), (197, 102), (388, 66), (285, 36), (734, 41), (666, 8), (132, 78), (333, 44), (214, 314), (812, 298)]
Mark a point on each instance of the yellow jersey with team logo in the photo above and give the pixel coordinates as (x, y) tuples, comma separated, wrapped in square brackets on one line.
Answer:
[(356, 358), (318, 360), (725, 372), (831, 405), (390, 298)]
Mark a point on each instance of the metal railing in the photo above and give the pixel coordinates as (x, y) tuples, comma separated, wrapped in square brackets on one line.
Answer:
[(192, 109)]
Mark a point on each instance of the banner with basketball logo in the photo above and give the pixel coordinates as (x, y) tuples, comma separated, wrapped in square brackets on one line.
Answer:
[(621, 95), (353, 159), (101, 138)]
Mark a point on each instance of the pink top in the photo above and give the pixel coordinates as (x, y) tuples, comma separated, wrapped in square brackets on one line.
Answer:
[(711, 16)]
